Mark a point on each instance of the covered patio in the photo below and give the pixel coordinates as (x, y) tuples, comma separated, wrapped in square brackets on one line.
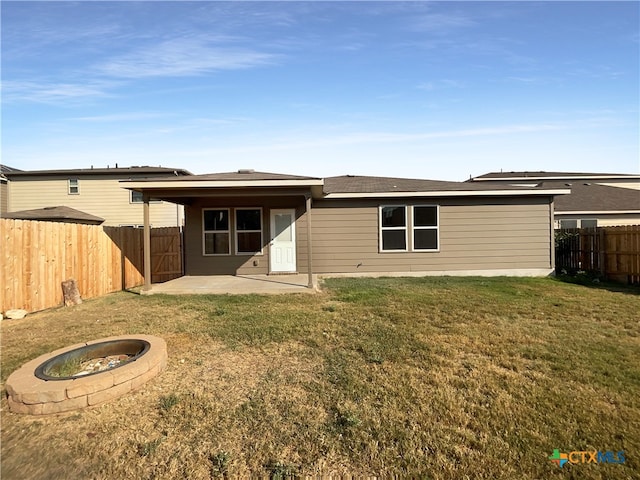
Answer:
[(234, 285), (245, 231)]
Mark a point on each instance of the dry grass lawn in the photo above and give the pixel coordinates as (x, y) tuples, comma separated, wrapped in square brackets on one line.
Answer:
[(443, 378)]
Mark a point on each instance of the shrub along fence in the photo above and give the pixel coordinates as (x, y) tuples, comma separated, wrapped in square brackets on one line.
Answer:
[(612, 252), (36, 257)]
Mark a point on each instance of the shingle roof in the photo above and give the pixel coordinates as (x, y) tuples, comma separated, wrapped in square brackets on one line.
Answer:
[(253, 175), (346, 186), (364, 184), (240, 175), (56, 214), (542, 175), (123, 171), (7, 168), (593, 197)]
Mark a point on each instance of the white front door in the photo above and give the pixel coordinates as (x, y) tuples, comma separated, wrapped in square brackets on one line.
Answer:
[(283, 241)]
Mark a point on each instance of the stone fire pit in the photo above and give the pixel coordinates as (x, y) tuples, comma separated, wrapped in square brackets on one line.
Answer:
[(85, 374)]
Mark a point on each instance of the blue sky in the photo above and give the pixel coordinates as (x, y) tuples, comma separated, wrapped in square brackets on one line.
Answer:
[(439, 90)]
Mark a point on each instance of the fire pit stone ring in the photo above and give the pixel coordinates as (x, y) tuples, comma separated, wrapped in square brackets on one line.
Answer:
[(41, 394)]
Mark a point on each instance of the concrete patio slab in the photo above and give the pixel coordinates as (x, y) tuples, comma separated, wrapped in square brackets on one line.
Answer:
[(234, 285)]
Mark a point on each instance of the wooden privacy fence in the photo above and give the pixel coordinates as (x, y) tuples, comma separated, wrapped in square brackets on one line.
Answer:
[(613, 252), (35, 257)]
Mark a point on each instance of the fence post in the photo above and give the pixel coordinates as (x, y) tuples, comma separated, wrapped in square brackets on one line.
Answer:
[(602, 254), (123, 260)]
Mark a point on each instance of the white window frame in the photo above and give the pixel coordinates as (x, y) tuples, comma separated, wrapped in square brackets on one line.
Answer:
[(131, 192), (237, 231), (204, 232), (76, 186), (414, 228), (384, 229)]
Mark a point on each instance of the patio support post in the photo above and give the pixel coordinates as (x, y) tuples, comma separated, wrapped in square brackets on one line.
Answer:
[(147, 243), (553, 235), (309, 253)]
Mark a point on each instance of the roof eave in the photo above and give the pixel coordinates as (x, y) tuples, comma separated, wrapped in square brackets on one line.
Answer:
[(122, 171), (452, 193), (597, 212), (201, 184), (559, 177)]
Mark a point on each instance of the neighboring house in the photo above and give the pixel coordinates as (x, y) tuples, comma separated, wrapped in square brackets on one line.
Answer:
[(596, 199), (95, 191), (4, 188), (262, 223), (4, 194), (56, 214)]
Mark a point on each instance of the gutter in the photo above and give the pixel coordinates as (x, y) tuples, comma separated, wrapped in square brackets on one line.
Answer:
[(182, 184), (598, 212), (462, 193)]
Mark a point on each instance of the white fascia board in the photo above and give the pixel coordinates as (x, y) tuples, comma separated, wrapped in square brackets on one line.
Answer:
[(182, 184), (463, 193), (562, 177), (598, 212)]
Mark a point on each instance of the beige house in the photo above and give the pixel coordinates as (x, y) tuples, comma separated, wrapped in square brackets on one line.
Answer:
[(262, 223), (4, 188), (596, 199), (4, 194), (94, 191)]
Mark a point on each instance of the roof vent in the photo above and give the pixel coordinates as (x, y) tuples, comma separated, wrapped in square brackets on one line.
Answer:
[(246, 170)]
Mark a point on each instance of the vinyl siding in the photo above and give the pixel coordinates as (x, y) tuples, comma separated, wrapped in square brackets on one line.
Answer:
[(103, 197), (4, 197), (198, 264), (504, 234)]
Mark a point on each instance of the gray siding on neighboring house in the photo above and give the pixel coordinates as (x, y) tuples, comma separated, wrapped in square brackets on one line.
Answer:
[(475, 234), (101, 196)]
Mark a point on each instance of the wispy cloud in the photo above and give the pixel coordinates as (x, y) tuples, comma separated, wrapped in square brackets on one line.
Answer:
[(121, 117), (54, 92), (182, 57), (527, 80), (441, 22), (440, 85), (383, 138), (352, 47), (596, 72)]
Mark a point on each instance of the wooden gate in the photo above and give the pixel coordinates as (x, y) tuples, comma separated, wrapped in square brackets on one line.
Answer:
[(166, 254)]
